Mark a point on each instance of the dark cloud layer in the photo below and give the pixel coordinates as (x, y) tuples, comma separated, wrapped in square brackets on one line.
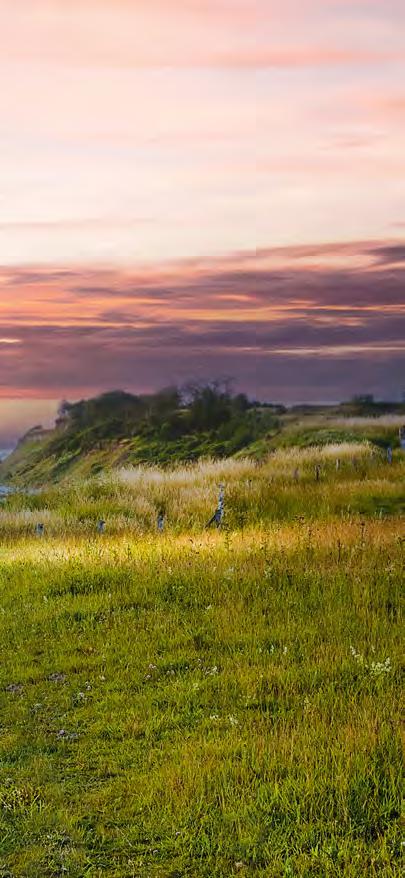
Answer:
[(287, 325)]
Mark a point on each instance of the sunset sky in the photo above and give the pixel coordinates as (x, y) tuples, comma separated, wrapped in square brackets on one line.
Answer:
[(200, 188)]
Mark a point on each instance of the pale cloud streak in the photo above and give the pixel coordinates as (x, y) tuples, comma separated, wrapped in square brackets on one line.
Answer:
[(141, 141), (152, 130)]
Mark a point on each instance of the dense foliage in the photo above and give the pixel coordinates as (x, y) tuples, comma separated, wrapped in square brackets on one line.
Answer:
[(210, 410)]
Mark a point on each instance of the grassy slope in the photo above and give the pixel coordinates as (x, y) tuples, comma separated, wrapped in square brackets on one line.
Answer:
[(205, 704), (36, 463)]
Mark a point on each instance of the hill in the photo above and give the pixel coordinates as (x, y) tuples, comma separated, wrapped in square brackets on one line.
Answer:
[(119, 428)]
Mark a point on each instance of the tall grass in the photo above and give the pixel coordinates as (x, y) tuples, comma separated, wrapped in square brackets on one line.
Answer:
[(288, 484), (373, 422), (199, 703)]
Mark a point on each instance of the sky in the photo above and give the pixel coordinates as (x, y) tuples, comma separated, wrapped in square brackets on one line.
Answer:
[(200, 188)]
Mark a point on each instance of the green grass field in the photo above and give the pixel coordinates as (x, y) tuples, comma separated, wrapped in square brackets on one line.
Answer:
[(199, 703)]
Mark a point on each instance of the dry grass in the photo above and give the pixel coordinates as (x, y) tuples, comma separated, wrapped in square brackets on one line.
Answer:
[(373, 422)]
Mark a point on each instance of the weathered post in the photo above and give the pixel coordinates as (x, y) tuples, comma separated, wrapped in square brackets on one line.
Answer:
[(219, 512), (101, 526)]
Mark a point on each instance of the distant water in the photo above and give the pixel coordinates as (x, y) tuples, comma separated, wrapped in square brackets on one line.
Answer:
[(4, 452), (6, 489)]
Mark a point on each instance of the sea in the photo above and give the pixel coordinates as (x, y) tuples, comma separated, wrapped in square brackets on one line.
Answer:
[(4, 452), (6, 489)]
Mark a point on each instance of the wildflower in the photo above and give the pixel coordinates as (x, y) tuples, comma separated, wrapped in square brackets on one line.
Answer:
[(379, 668), (358, 657), (376, 669), (214, 716), (233, 721)]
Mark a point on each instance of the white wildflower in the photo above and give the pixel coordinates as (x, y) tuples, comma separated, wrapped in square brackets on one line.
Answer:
[(379, 668), (376, 669)]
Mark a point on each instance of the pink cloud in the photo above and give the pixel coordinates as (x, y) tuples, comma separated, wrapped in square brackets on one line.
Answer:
[(139, 131)]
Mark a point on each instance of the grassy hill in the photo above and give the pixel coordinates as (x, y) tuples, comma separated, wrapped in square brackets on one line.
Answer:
[(118, 428), (205, 704)]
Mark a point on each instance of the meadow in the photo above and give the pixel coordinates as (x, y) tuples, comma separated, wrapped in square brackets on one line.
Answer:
[(205, 703)]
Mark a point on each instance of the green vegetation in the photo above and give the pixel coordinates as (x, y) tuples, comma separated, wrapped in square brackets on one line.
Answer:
[(205, 704), (118, 429)]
